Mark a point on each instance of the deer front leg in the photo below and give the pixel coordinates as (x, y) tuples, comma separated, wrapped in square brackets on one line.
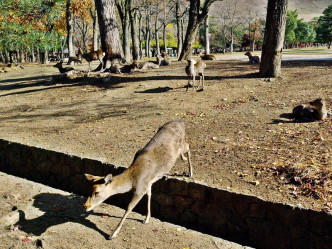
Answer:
[(194, 82), (202, 81), (132, 204), (188, 83), (187, 150)]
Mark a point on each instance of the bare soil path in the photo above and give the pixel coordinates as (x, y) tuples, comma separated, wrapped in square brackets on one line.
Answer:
[(36, 216)]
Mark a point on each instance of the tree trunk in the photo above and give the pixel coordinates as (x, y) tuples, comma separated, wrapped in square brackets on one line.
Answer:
[(196, 17), (207, 35), (231, 49), (273, 38), (164, 28), (33, 59), (70, 29), (95, 31), (148, 33), (126, 31), (109, 33), (179, 27), (38, 55), (156, 29), (140, 26), (134, 34)]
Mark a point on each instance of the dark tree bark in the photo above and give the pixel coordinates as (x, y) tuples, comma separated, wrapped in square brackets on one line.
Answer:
[(274, 38), (134, 34), (70, 29), (196, 17), (109, 33)]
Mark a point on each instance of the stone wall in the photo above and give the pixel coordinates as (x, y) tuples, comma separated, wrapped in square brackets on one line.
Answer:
[(244, 219)]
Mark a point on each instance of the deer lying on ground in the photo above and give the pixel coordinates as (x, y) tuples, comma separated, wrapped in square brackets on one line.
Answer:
[(75, 60), (207, 57), (312, 111), (151, 65), (150, 164), (94, 55), (195, 68), (63, 69), (165, 61), (252, 59)]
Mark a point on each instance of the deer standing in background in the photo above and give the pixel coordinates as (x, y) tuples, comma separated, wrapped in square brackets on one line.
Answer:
[(312, 111), (63, 69), (150, 164), (252, 59), (195, 68), (94, 55)]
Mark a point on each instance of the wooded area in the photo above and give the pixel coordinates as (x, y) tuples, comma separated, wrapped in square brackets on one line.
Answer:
[(129, 30)]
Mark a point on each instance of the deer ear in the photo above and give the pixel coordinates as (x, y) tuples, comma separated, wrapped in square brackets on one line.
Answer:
[(108, 179), (91, 178)]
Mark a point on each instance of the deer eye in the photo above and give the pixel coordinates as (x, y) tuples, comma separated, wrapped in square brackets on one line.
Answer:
[(96, 193)]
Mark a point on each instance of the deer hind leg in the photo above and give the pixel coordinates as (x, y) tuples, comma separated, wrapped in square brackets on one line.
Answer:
[(148, 215), (132, 204)]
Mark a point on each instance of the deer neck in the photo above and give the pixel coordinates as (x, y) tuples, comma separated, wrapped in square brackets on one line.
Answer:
[(121, 183)]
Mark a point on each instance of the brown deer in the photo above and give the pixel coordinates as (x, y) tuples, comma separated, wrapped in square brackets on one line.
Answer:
[(252, 59), (94, 55), (195, 68), (63, 69), (165, 61), (150, 164), (312, 111)]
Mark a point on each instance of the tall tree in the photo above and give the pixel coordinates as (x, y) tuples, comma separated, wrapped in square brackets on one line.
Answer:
[(196, 17), (70, 29), (179, 14), (324, 27), (133, 14), (123, 10), (207, 35), (109, 32), (273, 38)]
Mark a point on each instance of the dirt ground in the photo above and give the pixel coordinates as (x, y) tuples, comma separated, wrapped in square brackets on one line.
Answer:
[(36, 216), (238, 130)]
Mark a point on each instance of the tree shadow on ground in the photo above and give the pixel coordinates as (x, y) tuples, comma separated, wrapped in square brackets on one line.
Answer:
[(58, 209)]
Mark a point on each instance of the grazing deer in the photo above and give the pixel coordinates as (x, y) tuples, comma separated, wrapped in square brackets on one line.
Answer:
[(63, 69), (94, 55), (150, 164), (252, 59), (312, 111), (75, 60), (151, 64), (195, 68)]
